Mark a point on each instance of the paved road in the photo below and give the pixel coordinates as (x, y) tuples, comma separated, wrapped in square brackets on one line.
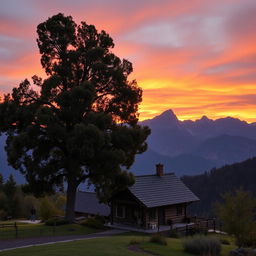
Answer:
[(27, 242)]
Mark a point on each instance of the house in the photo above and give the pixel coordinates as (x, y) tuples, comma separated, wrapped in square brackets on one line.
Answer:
[(88, 205), (153, 200)]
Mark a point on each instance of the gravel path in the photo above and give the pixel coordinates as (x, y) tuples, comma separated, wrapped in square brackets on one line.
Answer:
[(35, 241)]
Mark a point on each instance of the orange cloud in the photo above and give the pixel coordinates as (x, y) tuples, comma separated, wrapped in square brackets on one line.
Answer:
[(195, 57)]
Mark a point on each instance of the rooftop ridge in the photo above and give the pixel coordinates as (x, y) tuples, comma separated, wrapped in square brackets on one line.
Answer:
[(147, 175), (88, 192)]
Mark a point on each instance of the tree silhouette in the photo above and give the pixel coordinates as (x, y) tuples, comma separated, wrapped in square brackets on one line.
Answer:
[(81, 124)]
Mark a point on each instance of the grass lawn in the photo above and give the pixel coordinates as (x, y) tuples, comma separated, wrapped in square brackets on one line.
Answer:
[(109, 246), (36, 230)]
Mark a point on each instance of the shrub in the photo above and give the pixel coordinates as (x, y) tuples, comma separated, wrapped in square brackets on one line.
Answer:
[(47, 209), (202, 245), (56, 221), (93, 223), (158, 239), (3, 214)]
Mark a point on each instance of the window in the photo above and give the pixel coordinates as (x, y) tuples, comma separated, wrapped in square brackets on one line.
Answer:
[(179, 210), (120, 211), (152, 213)]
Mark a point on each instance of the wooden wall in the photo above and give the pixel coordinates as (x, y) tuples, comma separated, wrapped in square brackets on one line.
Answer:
[(171, 213)]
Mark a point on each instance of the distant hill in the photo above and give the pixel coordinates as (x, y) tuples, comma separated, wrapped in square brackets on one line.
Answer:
[(210, 185), (226, 149), (5, 169), (185, 163), (192, 147)]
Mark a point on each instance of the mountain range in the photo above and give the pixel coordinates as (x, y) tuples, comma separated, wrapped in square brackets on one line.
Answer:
[(184, 147), (192, 147)]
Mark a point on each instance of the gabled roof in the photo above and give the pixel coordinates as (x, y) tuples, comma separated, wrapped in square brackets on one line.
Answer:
[(153, 190), (87, 202)]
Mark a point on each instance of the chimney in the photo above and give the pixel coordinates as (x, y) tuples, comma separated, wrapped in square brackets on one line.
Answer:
[(159, 170)]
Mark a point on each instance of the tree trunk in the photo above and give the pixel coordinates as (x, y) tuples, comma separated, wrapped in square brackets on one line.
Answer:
[(71, 199)]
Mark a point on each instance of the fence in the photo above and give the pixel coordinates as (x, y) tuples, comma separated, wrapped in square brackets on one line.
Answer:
[(20, 230), (198, 225)]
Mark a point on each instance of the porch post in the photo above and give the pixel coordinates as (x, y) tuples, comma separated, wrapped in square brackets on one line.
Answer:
[(158, 217), (112, 213)]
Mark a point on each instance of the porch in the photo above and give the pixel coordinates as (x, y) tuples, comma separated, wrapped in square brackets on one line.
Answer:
[(154, 229)]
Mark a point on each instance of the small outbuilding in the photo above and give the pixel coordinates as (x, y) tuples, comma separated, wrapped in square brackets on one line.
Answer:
[(88, 205)]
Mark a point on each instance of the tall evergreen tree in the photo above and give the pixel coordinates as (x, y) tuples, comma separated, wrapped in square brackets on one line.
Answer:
[(1, 182), (9, 187), (81, 125)]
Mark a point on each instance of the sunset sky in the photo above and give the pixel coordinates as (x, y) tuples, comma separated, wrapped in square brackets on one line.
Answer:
[(197, 57)]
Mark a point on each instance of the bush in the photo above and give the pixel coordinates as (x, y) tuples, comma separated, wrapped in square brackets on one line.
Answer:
[(158, 239), (56, 221), (202, 245), (47, 209), (93, 223), (3, 214)]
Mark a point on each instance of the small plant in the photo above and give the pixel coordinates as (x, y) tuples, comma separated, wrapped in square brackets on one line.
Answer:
[(202, 245), (3, 214), (158, 239), (93, 223)]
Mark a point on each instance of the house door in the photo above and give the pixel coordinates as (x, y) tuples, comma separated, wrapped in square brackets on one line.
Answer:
[(161, 216)]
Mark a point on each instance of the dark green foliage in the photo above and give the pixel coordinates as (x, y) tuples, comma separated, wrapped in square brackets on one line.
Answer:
[(158, 239), (237, 214), (93, 223), (3, 214), (211, 185), (1, 182), (9, 187), (202, 245), (81, 123), (11, 202), (56, 222)]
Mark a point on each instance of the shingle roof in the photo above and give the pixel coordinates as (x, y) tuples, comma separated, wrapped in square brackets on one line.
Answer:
[(154, 191), (87, 202)]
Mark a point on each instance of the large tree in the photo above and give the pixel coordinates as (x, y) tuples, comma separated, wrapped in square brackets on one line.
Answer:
[(80, 125), (237, 213)]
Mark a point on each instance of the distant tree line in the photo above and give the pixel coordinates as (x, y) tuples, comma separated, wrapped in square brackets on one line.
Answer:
[(210, 186), (16, 202)]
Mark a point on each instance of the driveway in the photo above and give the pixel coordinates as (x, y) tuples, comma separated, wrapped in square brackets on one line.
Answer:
[(35, 241)]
